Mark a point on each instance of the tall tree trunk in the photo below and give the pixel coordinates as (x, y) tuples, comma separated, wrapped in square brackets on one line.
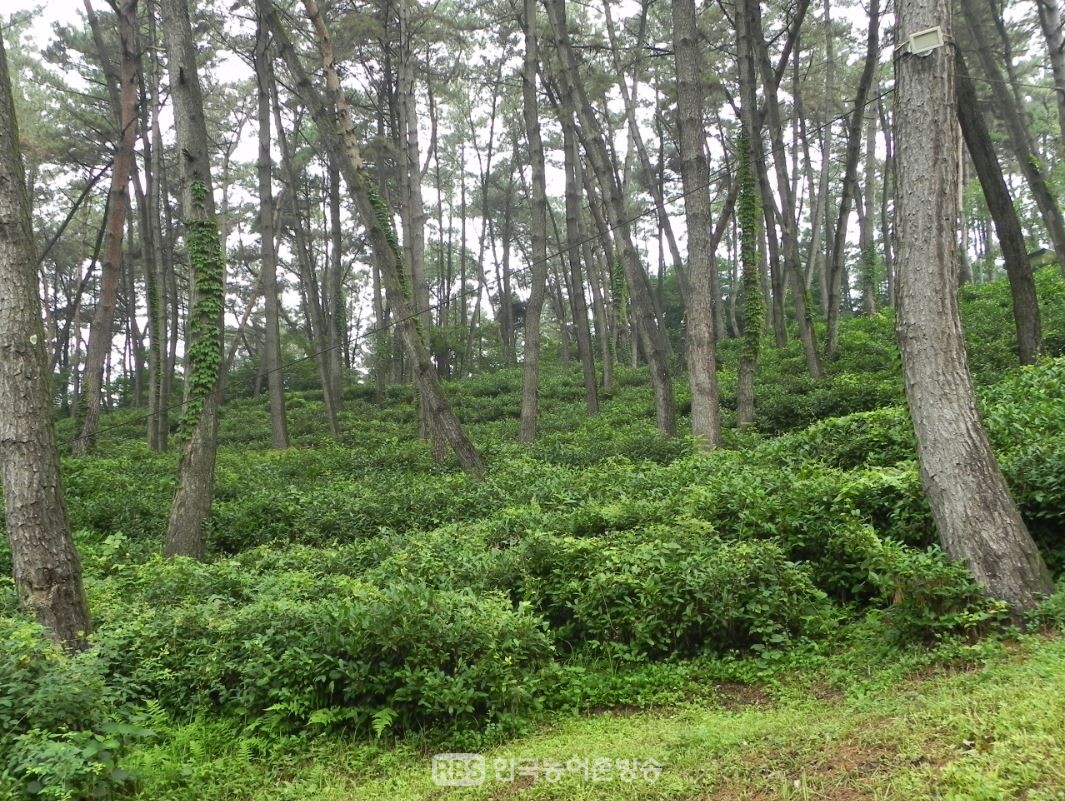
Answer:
[(599, 299), (977, 520), (867, 240), (125, 111), (573, 252), (154, 268), (338, 136), (1004, 214), (655, 343), (641, 153), (187, 529), (851, 193), (750, 187), (886, 191), (751, 24), (530, 385), (1020, 138), (315, 312), (271, 361), (1050, 19), (412, 204), (333, 291), (45, 565), (695, 174)]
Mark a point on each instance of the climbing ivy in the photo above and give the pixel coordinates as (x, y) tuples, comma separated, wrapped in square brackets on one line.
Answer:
[(619, 293), (750, 216), (868, 263), (208, 277), (383, 215)]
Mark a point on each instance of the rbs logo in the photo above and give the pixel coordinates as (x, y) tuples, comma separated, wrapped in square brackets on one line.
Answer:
[(458, 770)]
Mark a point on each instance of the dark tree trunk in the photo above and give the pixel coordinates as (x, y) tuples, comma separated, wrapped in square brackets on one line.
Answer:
[(751, 23), (1020, 138), (125, 112), (338, 137), (1004, 214), (655, 342), (271, 361), (45, 565), (530, 386), (850, 181), (573, 252)]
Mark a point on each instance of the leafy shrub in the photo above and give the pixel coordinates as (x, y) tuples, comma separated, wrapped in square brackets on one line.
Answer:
[(296, 649), (878, 438), (63, 727), (1050, 615), (892, 501), (930, 596), (668, 590)]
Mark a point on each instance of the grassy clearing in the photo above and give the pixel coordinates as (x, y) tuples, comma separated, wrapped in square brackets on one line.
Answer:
[(942, 727)]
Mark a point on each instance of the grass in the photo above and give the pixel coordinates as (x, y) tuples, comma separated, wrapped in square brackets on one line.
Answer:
[(966, 723)]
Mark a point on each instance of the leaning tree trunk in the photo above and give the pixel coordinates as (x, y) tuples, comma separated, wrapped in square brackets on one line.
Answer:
[(652, 336), (271, 361), (1004, 214), (636, 138), (530, 384), (45, 565), (187, 529), (100, 331), (1019, 136), (695, 174), (977, 520), (337, 131), (1050, 19)]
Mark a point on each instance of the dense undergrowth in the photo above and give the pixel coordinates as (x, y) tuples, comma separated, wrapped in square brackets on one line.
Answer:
[(358, 588)]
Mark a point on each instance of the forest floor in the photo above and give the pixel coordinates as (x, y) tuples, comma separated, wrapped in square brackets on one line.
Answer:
[(607, 614), (987, 726)]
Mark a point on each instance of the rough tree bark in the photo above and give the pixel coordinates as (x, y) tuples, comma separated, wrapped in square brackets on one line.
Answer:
[(189, 515), (45, 565), (1050, 20), (850, 181), (977, 520), (750, 25), (1016, 127), (578, 299), (695, 174), (653, 338), (125, 112), (268, 267)]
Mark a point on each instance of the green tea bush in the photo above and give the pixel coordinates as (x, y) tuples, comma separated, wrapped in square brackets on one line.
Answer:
[(865, 439), (63, 726), (892, 501), (296, 649), (931, 597), (668, 590)]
